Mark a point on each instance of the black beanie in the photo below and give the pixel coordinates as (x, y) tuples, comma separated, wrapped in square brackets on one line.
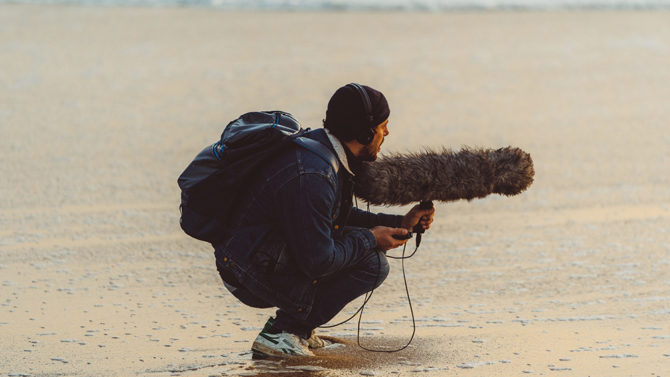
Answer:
[(346, 117)]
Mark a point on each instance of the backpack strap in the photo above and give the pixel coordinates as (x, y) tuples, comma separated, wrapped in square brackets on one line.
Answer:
[(319, 149)]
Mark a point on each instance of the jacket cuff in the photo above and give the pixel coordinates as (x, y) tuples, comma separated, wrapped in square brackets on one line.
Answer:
[(393, 221)]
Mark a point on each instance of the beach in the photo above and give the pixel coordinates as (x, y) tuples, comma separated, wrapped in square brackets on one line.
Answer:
[(101, 109)]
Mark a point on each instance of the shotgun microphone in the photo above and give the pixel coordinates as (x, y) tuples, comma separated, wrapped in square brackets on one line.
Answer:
[(401, 179), (446, 176)]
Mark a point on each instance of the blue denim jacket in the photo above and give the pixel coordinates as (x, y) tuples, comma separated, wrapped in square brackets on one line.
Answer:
[(295, 227)]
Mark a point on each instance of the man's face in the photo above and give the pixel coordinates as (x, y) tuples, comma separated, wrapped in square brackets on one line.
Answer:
[(370, 151)]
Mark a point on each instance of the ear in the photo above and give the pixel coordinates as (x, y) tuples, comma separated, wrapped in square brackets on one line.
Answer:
[(367, 136)]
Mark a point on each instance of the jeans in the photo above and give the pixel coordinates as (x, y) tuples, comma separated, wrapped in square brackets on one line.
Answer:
[(333, 293)]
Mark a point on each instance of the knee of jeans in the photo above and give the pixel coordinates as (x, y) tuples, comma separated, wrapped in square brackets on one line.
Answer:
[(380, 266)]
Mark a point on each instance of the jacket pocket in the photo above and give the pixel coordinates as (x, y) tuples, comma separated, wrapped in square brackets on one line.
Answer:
[(268, 254)]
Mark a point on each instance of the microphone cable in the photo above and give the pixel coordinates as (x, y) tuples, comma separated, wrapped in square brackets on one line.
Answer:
[(409, 301), (368, 295)]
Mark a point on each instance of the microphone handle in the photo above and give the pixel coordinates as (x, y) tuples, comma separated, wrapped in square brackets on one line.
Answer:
[(426, 204)]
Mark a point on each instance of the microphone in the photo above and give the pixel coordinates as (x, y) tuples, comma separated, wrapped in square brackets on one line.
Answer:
[(401, 179)]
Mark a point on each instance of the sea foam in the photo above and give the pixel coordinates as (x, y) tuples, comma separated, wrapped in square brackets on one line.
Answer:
[(371, 5)]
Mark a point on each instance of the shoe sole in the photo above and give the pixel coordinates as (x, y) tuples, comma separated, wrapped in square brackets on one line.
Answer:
[(257, 355)]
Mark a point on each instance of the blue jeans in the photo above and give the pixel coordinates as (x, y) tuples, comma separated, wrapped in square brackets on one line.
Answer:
[(333, 293)]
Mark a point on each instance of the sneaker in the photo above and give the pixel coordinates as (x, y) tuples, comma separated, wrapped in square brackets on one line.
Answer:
[(279, 345), (268, 324)]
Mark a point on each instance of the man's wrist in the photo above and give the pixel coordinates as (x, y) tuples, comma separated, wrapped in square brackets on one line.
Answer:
[(400, 222), (405, 223)]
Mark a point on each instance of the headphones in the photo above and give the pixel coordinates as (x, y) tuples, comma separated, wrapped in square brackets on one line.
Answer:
[(366, 136)]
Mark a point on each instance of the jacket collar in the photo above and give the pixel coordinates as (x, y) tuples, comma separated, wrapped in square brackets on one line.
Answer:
[(339, 150)]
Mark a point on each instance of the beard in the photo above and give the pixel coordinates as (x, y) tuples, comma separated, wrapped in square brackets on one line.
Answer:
[(369, 152)]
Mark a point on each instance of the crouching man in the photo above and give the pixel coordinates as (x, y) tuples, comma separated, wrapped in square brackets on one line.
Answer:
[(297, 242)]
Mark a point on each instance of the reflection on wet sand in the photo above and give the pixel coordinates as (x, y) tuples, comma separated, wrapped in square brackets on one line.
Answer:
[(344, 357)]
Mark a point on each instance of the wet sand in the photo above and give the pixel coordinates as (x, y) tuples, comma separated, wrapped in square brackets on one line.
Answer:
[(102, 108)]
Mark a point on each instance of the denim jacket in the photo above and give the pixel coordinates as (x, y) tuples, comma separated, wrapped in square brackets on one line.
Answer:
[(296, 226)]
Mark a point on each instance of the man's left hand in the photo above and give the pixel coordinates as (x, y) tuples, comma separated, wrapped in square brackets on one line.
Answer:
[(416, 215)]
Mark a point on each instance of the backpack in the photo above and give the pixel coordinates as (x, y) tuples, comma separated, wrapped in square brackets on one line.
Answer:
[(214, 181)]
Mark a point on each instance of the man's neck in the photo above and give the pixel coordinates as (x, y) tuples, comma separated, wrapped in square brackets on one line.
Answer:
[(354, 162), (354, 148)]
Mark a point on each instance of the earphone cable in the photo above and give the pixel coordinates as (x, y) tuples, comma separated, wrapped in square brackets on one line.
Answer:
[(409, 301), (368, 295)]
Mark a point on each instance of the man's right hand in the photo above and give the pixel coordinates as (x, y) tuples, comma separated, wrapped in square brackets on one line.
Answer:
[(384, 236)]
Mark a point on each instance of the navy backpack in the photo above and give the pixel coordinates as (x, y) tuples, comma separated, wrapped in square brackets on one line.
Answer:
[(215, 179)]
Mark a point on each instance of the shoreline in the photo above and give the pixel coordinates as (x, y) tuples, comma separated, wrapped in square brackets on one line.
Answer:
[(570, 9)]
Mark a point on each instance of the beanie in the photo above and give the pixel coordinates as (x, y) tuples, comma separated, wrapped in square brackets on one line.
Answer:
[(346, 117)]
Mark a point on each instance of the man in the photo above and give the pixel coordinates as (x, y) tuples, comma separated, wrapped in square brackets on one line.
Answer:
[(298, 244)]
